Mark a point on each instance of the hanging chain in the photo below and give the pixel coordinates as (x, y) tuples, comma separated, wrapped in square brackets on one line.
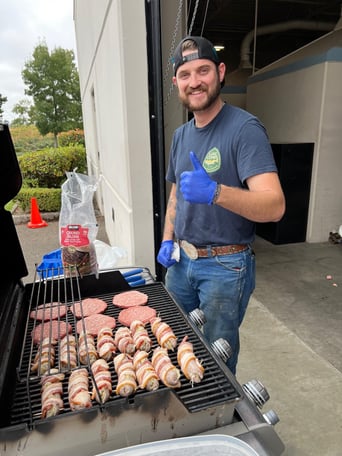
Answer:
[(172, 48), (193, 17), (173, 43)]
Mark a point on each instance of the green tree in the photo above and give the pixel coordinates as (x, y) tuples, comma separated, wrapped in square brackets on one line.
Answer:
[(53, 82), (2, 101), (24, 112)]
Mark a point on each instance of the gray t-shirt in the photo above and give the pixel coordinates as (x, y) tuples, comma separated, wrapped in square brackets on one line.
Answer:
[(232, 148)]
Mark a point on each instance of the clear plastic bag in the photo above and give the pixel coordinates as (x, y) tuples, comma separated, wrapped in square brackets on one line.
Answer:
[(78, 225), (108, 256)]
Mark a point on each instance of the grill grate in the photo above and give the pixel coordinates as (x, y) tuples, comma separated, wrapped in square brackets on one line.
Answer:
[(215, 388)]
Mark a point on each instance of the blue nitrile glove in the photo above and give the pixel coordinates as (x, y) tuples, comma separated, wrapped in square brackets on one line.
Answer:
[(196, 186), (164, 255)]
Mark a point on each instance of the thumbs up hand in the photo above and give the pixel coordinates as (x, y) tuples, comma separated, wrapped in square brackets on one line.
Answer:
[(197, 186)]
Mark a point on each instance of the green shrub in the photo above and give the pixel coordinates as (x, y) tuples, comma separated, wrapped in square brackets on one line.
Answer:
[(26, 138), (9, 206), (72, 137), (48, 199), (46, 168)]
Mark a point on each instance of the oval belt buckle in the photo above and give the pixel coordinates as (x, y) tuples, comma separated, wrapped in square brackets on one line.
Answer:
[(190, 250)]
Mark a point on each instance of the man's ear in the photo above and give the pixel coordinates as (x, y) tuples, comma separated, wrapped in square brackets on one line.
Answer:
[(174, 80), (222, 71)]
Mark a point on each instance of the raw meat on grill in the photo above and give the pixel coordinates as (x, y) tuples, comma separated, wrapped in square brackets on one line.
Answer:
[(78, 390), (49, 311), (127, 383), (166, 371), (103, 380), (145, 372), (52, 393), (189, 364), (130, 298), (67, 352), (142, 313), (94, 323), (164, 334), (124, 341), (88, 306), (86, 348), (105, 344), (142, 340), (45, 357), (54, 329)]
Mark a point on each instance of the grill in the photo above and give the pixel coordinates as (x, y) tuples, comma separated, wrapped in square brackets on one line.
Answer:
[(217, 405), (214, 390), (190, 408)]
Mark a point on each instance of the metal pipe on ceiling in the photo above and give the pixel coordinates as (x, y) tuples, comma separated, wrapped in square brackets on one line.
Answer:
[(274, 28)]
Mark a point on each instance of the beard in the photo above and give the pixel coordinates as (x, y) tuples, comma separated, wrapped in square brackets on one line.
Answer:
[(212, 95)]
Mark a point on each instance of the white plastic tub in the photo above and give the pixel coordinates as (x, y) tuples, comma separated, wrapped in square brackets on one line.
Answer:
[(213, 445)]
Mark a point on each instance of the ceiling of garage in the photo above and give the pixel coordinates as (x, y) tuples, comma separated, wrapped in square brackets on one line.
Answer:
[(227, 22)]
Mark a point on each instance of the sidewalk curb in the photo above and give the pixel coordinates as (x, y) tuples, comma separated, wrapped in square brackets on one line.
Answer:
[(25, 218), (20, 219)]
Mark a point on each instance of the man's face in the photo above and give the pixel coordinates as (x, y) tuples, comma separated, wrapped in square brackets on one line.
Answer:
[(199, 83)]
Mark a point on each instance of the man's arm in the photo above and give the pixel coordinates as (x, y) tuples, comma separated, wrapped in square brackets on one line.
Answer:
[(165, 254), (170, 216), (263, 201)]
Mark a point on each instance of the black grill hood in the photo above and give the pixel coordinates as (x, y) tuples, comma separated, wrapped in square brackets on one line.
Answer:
[(13, 266)]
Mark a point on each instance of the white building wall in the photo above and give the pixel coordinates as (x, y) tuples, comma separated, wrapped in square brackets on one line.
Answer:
[(289, 105), (327, 199), (305, 106), (112, 56)]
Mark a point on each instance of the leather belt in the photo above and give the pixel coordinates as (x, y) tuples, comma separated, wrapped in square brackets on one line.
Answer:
[(194, 252)]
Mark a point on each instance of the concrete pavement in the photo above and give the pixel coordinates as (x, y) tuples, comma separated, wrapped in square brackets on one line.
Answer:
[(305, 390)]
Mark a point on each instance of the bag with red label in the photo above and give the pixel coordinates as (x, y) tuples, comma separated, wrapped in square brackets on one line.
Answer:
[(78, 225)]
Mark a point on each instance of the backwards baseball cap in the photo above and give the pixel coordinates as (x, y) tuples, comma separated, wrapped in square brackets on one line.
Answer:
[(205, 50)]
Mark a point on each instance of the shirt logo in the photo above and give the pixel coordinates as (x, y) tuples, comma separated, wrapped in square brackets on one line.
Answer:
[(212, 161)]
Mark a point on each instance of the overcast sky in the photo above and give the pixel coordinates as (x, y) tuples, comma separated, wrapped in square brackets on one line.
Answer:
[(23, 24)]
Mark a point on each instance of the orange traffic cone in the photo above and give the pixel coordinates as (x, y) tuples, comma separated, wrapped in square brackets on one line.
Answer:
[(36, 219)]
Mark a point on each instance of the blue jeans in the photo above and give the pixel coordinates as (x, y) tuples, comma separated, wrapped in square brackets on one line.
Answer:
[(221, 287)]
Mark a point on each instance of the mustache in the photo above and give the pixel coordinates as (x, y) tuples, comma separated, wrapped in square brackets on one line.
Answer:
[(201, 87)]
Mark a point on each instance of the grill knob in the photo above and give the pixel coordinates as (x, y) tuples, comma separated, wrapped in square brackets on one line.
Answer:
[(256, 391), (197, 316), (271, 417), (222, 348)]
